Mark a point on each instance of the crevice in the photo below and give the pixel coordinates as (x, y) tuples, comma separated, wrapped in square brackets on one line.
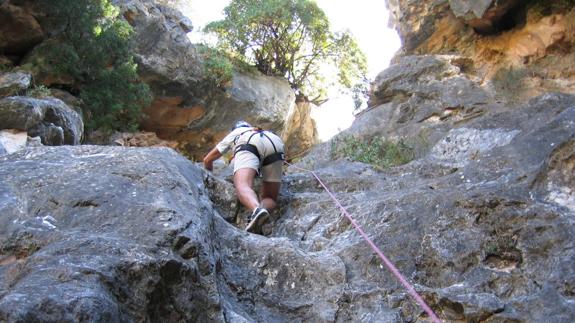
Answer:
[(86, 203)]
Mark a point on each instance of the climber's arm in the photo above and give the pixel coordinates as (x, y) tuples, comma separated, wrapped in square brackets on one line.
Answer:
[(210, 158)]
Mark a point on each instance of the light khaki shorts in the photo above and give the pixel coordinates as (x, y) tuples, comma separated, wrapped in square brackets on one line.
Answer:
[(270, 173)]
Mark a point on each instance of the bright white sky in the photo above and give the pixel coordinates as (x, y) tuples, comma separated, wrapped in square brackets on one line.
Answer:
[(367, 21)]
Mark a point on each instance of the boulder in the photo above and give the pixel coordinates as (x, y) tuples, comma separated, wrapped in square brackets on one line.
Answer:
[(14, 83), (19, 30), (49, 118), (129, 234), (95, 233), (300, 134), (188, 107), (420, 98), (12, 140)]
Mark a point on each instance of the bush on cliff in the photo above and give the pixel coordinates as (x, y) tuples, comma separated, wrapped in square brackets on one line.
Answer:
[(93, 48), (376, 151), (291, 38)]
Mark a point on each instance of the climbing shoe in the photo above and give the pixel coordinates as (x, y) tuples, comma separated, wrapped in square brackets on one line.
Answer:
[(258, 218)]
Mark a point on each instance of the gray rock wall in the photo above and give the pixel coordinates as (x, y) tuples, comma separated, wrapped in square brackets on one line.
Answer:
[(481, 225)]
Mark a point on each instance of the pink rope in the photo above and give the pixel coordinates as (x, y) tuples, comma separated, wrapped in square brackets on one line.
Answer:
[(386, 261)]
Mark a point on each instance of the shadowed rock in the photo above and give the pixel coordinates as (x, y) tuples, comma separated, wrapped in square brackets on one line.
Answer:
[(49, 118)]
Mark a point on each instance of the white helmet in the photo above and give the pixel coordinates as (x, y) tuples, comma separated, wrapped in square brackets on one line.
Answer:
[(241, 124)]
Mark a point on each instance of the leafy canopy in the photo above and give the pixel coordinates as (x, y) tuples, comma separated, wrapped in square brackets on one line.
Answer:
[(291, 38), (94, 50)]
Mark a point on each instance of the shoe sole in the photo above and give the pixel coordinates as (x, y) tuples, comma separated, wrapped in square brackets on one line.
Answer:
[(258, 221)]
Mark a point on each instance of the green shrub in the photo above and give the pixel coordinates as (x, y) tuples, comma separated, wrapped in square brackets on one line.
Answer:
[(218, 67), (94, 49), (38, 92), (376, 151)]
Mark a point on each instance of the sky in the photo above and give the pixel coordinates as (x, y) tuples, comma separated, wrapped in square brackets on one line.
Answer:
[(365, 19)]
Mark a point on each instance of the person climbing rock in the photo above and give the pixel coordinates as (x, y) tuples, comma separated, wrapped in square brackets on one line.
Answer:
[(255, 151)]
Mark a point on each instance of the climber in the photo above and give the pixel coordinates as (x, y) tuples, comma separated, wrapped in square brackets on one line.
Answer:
[(254, 150)]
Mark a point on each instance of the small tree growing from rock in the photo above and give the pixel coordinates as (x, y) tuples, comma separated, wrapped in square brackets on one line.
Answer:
[(291, 38), (92, 47)]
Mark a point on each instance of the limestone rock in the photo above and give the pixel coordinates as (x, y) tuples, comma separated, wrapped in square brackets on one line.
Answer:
[(474, 223), (421, 98), (526, 52), (19, 30), (188, 108), (143, 242), (13, 83), (484, 16), (483, 232), (12, 140), (49, 118), (300, 134), (76, 244)]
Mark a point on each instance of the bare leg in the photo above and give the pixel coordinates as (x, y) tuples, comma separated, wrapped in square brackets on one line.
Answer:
[(243, 182), (269, 194)]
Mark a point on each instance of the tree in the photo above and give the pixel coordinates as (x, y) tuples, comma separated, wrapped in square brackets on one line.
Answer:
[(290, 38), (93, 47)]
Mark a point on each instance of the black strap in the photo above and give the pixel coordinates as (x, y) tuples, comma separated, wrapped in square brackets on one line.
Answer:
[(249, 147), (273, 158), (276, 156)]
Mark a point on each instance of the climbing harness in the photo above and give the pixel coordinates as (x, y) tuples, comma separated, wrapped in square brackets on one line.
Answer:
[(410, 289), (276, 156)]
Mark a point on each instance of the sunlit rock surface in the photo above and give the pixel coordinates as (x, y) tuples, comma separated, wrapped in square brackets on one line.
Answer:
[(187, 107)]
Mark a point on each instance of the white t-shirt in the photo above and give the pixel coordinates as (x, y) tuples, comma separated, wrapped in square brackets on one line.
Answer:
[(240, 136)]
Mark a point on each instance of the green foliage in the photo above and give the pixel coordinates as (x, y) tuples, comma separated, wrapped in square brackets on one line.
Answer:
[(375, 151), (94, 50), (38, 92), (218, 67), (290, 38), (4, 67)]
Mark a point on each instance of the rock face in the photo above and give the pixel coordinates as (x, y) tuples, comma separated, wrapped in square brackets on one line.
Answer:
[(12, 141), (188, 108), (481, 221), (49, 118), (477, 223), (12, 83), (78, 248), (300, 134), (484, 16), (481, 225), (528, 52), (19, 30)]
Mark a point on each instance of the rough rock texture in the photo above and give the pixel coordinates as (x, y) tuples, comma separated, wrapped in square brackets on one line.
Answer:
[(528, 53), (485, 15), (300, 134), (13, 83), (141, 242), (12, 141), (482, 226), (480, 223), (19, 30), (418, 100), (105, 234), (188, 108), (49, 118)]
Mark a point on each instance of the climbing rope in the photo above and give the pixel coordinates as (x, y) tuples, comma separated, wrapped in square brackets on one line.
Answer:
[(386, 261)]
